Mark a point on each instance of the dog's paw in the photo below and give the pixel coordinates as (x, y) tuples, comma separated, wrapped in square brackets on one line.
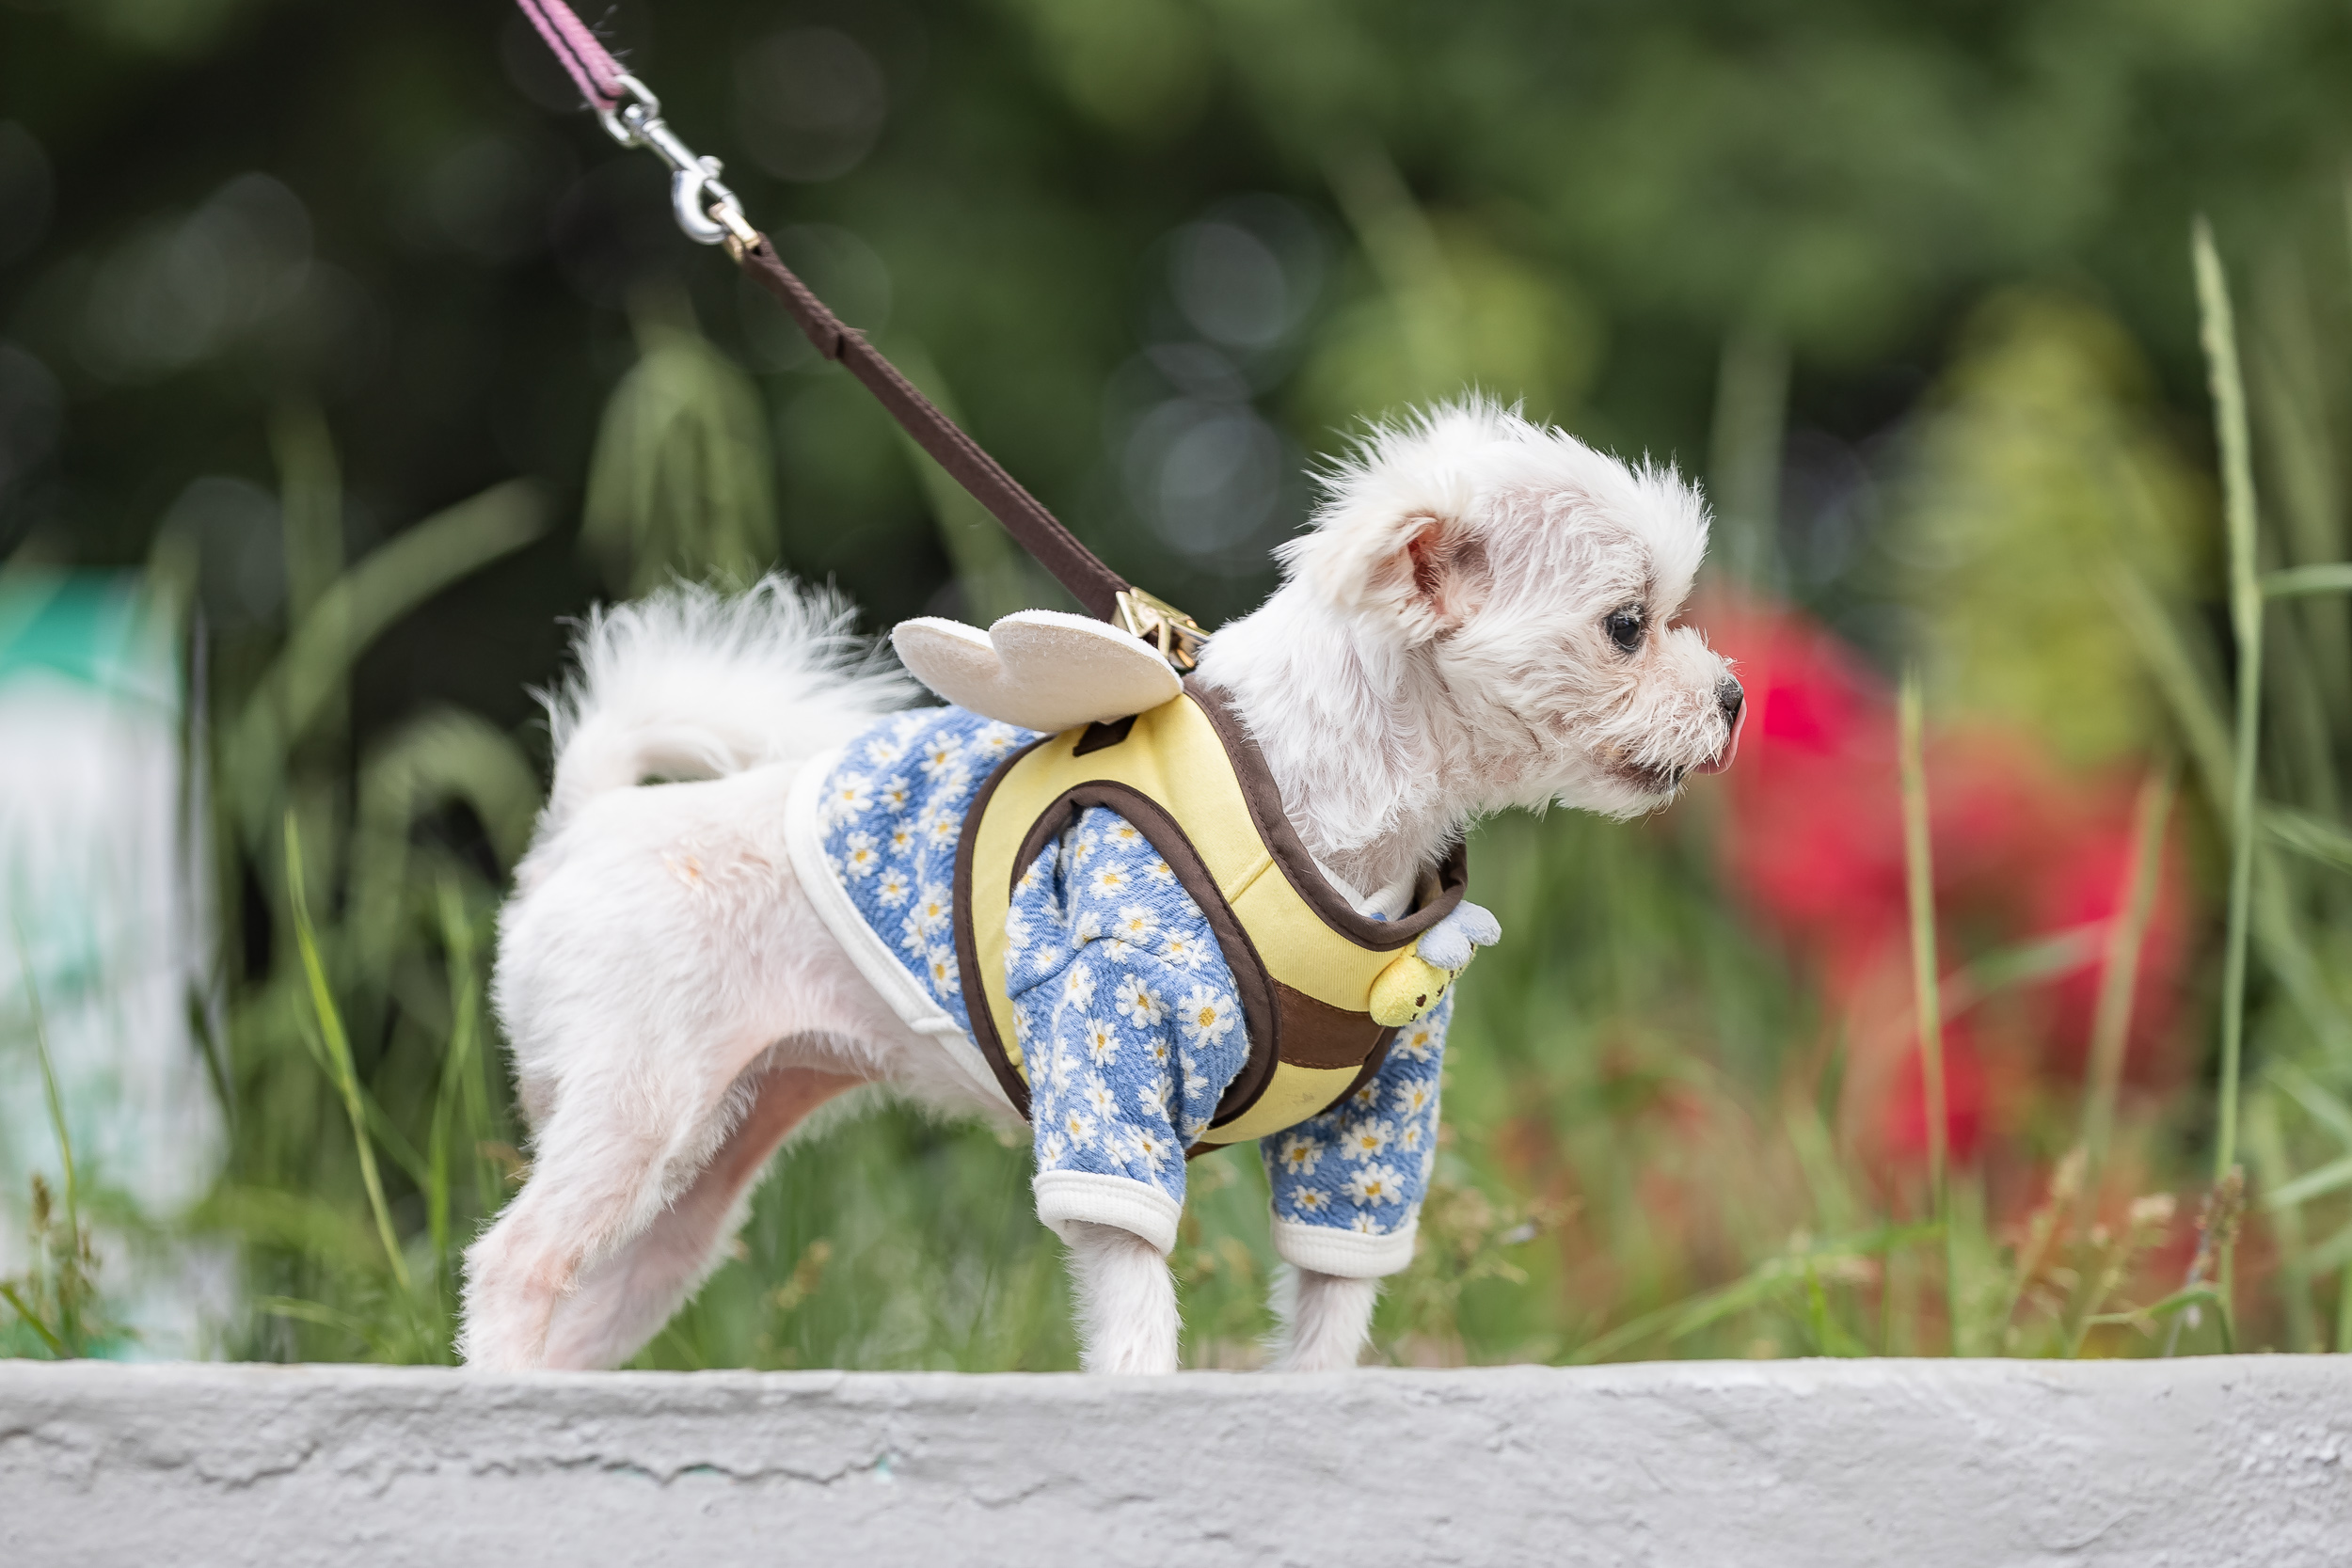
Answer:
[(1038, 669), (486, 1344)]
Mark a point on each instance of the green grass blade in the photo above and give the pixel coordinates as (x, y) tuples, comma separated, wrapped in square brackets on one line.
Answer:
[(456, 1062), (2024, 963), (303, 1221), (311, 504), (338, 1050), (2335, 1252), (681, 480), (1744, 454), (73, 1287), (1920, 883), (2178, 661), (2293, 390), (356, 610), (2219, 336), (2183, 678), (393, 579), (319, 1313), (1771, 1278), (2297, 730), (2119, 982), (2331, 1177), (32, 1319), (2335, 576), (439, 757), (396, 1142), (2343, 1304), (2317, 1101), (2266, 1141), (2179, 1301), (70, 1188), (2313, 837)]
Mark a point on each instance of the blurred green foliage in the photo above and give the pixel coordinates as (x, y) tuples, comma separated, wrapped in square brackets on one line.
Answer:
[(2042, 460), (350, 324), (681, 482), (210, 205)]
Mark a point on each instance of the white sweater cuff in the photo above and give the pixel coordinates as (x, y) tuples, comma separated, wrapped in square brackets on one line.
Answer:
[(1347, 1254), (1064, 1196)]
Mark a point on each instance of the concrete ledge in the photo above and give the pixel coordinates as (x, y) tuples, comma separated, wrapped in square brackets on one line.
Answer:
[(2238, 1460)]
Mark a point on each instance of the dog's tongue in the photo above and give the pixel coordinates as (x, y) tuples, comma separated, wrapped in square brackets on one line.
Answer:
[(1731, 746)]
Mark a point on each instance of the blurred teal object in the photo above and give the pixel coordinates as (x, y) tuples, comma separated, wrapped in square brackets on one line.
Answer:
[(96, 628), (104, 905)]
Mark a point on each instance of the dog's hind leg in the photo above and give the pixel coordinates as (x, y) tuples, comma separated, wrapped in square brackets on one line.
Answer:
[(660, 950), (1127, 1311), (623, 1301), (647, 961), (605, 1165)]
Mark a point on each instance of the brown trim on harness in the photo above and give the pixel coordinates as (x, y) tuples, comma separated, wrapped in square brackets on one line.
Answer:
[(1316, 1034), (1299, 867), (1371, 1066), (968, 947)]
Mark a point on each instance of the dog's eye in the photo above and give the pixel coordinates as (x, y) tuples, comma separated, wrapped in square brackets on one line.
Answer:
[(1625, 628)]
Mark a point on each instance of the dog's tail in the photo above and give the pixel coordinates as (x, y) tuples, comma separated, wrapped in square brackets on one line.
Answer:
[(688, 683)]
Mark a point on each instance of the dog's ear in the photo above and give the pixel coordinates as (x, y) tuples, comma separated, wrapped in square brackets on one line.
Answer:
[(1422, 572)]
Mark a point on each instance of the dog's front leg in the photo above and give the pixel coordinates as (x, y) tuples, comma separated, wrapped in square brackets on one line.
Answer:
[(1326, 1322), (1127, 1320)]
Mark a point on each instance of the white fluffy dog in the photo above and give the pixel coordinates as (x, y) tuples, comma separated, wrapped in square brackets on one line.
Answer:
[(1482, 616)]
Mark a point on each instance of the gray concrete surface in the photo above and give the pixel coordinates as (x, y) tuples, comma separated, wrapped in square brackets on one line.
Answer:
[(1922, 1464)]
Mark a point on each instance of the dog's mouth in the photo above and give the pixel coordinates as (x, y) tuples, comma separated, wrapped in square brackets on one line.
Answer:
[(1731, 746), (1657, 779), (1666, 779)]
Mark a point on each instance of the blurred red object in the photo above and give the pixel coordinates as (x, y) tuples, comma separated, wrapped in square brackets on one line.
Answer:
[(1905, 1123), (2022, 851)]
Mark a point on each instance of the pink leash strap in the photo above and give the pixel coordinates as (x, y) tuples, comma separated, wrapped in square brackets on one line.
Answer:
[(596, 71)]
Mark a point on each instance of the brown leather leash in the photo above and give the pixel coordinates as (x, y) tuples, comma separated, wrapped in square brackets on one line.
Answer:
[(711, 215)]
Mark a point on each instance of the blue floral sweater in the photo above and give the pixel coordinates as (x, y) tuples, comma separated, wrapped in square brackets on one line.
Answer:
[(1126, 1014)]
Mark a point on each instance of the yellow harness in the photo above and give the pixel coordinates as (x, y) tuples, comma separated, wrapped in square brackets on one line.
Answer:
[(1322, 987)]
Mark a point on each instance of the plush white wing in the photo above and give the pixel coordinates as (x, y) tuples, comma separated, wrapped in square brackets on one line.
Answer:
[(1040, 669)]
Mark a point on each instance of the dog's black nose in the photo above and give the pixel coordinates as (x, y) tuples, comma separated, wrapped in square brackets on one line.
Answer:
[(1732, 699)]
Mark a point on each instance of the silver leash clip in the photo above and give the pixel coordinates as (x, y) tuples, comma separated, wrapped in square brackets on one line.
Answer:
[(705, 208)]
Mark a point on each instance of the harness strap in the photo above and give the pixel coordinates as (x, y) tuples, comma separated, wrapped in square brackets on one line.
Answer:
[(1307, 967), (1075, 567)]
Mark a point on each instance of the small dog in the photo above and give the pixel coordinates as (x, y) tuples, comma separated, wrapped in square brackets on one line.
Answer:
[(1480, 616)]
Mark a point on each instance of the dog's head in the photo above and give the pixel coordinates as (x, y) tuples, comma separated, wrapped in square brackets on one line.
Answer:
[(1539, 582)]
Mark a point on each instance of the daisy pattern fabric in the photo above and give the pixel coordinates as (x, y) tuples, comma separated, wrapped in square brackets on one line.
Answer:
[(1129, 1022), (1363, 1165), (1125, 1011), (892, 811)]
